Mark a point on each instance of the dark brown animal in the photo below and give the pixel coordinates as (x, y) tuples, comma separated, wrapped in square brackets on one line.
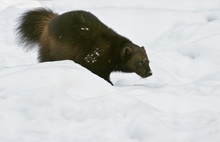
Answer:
[(82, 37)]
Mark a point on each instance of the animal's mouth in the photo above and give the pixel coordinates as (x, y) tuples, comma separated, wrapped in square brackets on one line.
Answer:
[(146, 74)]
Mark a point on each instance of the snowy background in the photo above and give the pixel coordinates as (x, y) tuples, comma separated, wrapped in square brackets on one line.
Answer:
[(64, 102)]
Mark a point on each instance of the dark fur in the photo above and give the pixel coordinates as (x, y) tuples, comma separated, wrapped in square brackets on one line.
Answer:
[(83, 38)]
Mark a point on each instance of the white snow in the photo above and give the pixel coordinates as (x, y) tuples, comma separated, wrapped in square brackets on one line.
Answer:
[(93, 57), (64, 102), (85, 29)]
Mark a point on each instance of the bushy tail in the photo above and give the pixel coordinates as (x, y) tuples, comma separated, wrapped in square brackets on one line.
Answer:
[(31, 25)]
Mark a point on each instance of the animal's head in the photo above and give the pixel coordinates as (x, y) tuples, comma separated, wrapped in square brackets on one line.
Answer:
[(135, 59)]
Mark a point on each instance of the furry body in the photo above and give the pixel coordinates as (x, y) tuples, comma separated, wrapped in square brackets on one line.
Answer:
[(82, 37)]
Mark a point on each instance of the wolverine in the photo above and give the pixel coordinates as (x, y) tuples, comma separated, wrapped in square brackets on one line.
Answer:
[(81, 37)]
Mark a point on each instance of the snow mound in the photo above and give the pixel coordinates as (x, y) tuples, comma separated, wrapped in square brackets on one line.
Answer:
[(62, 75)]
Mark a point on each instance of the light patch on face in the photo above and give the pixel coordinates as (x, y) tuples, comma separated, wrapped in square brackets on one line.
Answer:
[(145, 59), (93, 57)]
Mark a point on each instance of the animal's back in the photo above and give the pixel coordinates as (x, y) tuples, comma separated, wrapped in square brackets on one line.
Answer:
[(74, 35), (76, 25)]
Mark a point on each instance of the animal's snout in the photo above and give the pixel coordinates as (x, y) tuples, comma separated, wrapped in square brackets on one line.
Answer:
[(150, 73), (145, 73)]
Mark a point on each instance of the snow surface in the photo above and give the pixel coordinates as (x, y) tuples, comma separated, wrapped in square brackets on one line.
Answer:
[(64, 102)]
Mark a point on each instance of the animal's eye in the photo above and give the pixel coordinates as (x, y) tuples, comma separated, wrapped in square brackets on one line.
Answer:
[(139, 65)]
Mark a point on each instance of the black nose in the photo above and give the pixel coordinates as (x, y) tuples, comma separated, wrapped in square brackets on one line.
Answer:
[(150, 73)]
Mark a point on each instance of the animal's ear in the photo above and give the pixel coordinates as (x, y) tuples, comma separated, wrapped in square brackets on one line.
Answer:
[(143, 48), (126, 52)]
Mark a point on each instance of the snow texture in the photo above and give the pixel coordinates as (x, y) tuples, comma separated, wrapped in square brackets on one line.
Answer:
[(64, 102), (93, 57)]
